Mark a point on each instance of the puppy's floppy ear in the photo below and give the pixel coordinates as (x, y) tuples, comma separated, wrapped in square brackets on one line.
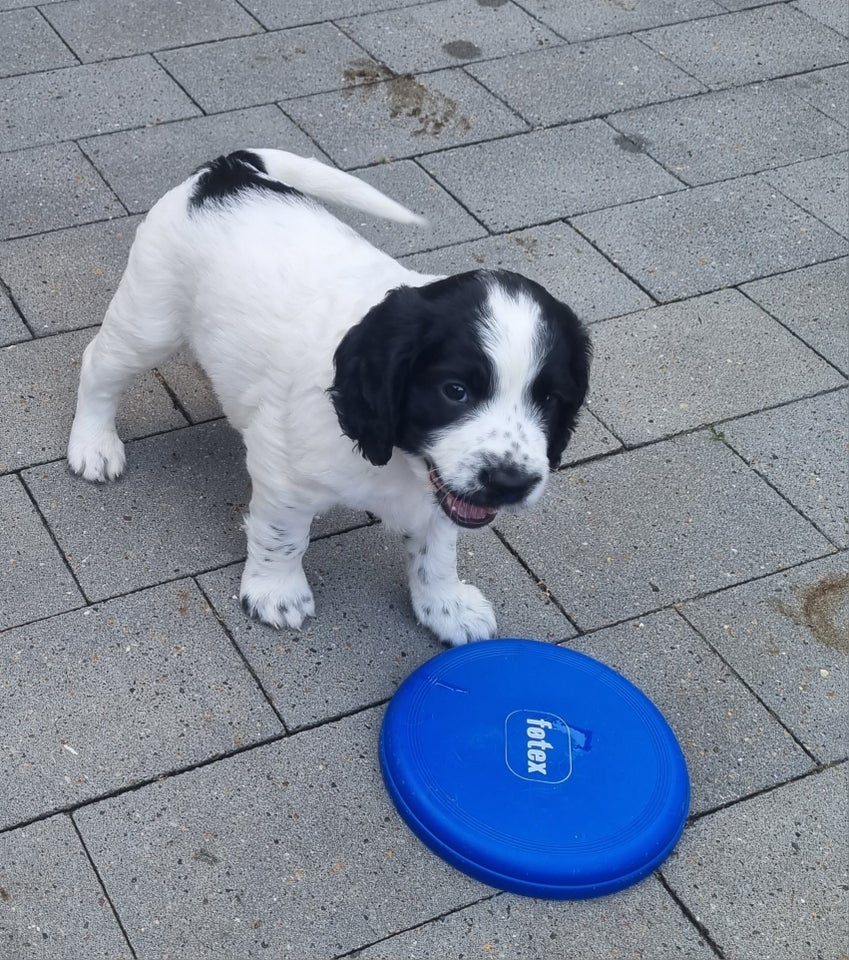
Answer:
[(575, 379), (372, 367)]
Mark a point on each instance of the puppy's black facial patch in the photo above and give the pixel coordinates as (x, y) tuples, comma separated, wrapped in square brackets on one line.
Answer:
[(228, 177)]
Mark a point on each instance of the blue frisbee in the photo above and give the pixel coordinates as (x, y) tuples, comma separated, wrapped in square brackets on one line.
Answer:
[(535, 769)]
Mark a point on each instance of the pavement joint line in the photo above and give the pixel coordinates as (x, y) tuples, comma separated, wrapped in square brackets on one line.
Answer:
[(765, 174), (734, 672), (52, 535), (177, 83), (689, 915), (175, 400), (456, 199), (102, 885), (247, 664), (4, 288), (101, 176)]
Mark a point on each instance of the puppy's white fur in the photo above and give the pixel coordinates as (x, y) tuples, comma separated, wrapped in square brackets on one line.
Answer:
[(263, 289)]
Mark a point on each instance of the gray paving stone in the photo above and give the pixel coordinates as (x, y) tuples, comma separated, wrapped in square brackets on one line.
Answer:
[(446, 33), (407, 183), (555, 256), (729, 133), (827, 90), (834, 15), (98, 30), (402, 116), (812, 302), (274, 15), (65, 280), (29, 561), (629, 534), (12, 328), (733, 745), (82, 101), (103, 698), (786, 636), (603, 171), (364, 639), (801, 450), (14, 4), (577, 20), (746, 229), (142, 165), (684, 365), (53, 906), (292, 849), (38, 392), (50, 187), (508, 927), (27, 44), (751, 45), (255, 70), (177, 511), (577, 82), (819, 186), (767, 878)]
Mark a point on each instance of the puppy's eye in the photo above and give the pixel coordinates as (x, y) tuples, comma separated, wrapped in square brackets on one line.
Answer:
[(455, 392)]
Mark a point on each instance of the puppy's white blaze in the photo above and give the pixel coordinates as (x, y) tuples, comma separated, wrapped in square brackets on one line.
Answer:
[(512, 335)]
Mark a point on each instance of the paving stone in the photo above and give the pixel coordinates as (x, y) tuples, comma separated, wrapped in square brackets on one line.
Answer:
[(834, 15), (570, 83), (12, 328), (53, 905), (364, 639), (745, 230), (729, 133), (801, 450), (13, 4), (827, 90), (255, 70), (177, 511), (446, 33), (819, 186), (82, 101), (786, 636), (767, 878), (707, 370), (812, 302), (603, 171), (38, 391), (273, 15), (627, 535), (555, 256), (292, 849), (29, 561), (402, 116), (748, 46), (51, 187), (65, 280), (27, 44), (103, 698), (142, 165), (508, 927), (191, 386), (405, 182), (733, 745), (577, 20), (97, 30)]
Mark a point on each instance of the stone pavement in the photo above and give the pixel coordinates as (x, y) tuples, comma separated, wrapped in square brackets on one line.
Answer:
[(176, 782)]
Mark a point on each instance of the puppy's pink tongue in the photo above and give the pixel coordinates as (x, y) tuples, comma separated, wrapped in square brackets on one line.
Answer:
[(468, 513)]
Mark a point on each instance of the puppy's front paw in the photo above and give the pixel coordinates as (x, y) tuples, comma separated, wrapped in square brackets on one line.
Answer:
[(278, 603), (457, 615), (96, 455)]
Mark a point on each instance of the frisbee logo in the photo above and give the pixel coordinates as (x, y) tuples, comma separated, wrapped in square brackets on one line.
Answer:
[(538, 746)]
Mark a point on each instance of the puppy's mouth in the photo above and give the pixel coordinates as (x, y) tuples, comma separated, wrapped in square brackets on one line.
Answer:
[(459, 511)]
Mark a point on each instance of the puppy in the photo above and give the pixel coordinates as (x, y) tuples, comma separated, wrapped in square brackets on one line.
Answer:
[(433, 402)]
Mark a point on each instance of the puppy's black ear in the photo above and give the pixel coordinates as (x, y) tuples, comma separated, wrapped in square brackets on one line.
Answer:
[(372, 367), (575, 343)]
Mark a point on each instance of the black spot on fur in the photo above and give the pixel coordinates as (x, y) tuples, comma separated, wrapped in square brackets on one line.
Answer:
[(225, 178)]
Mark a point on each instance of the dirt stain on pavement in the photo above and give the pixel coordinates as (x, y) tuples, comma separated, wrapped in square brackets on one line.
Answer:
[(824, 610)]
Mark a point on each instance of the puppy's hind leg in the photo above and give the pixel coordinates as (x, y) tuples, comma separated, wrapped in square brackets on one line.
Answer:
[(137, 334)]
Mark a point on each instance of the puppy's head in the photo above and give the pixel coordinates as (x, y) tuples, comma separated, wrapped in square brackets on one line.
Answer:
[(480, 376)]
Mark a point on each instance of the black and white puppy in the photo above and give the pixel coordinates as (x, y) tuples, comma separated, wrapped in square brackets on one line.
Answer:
[(459, 393)]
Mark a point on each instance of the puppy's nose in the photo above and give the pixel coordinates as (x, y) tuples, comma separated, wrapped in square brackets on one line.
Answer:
[(507, 483)]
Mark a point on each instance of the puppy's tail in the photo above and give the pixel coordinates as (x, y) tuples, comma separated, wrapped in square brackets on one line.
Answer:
[(318, 180)]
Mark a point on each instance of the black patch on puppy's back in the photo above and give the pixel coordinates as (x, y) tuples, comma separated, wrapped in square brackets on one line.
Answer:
[(225, 178)]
